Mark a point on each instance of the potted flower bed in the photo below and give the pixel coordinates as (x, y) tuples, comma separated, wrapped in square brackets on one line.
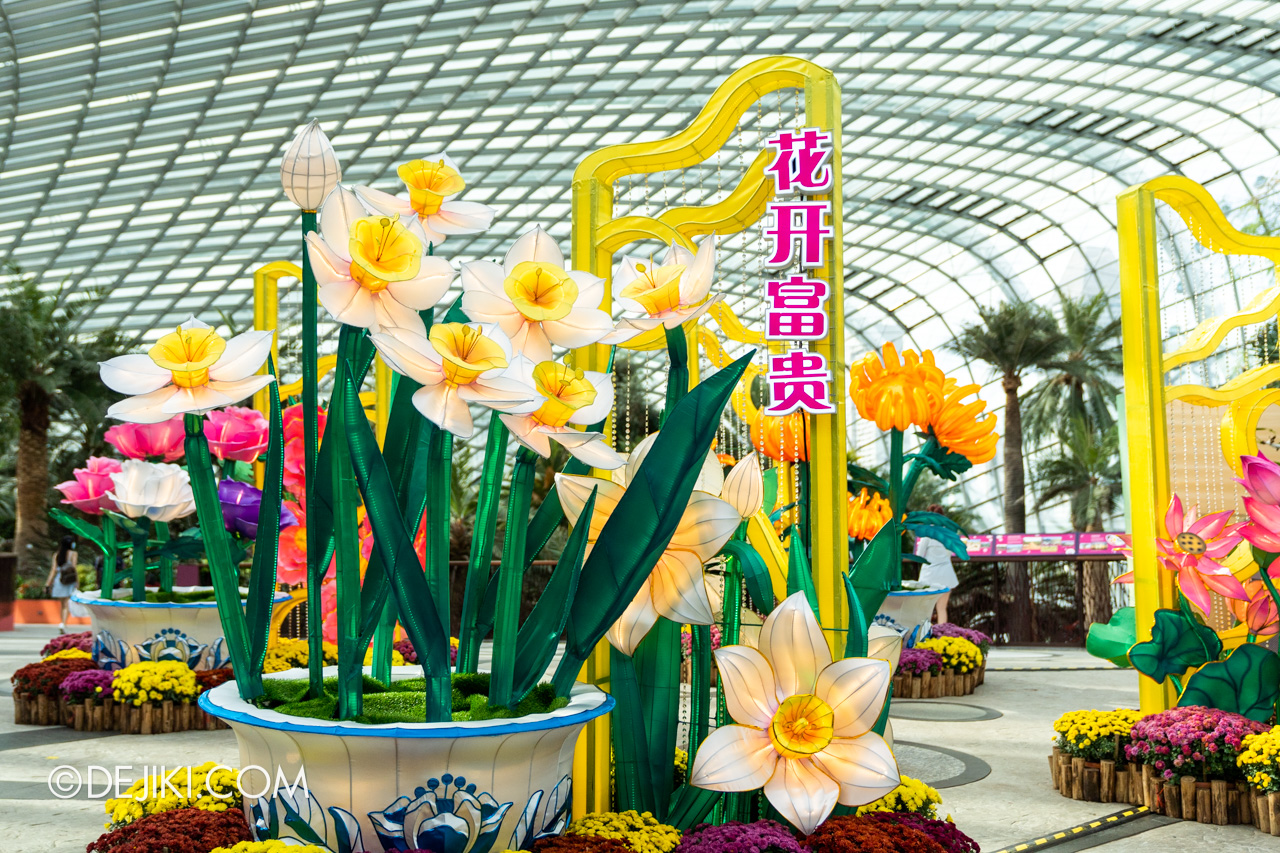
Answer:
[(37, 699), (180, 625), (1259, 761), (159, 697), (1089, 760), (90, 701), (1188, 757), (938, 667), (979, 639)]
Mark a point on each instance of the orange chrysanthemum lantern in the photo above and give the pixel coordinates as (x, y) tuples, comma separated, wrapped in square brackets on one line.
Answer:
[(891, 391), (958, 426), (867, 513), (783, 438)]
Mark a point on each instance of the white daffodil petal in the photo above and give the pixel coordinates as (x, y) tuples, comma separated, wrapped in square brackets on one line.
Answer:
[(532, 342), (707, 523), (341, 208), (348, 302), (201, 398), (637, 456), (244, 356), (634, 623), (699, 272), (325, 262), (733, 758), (427, 288), (144, 408), (573, 491), (441, 405), (863, 767), (386, 203), (409, 355), (483, 277), (884, 643), (581, 326), (463, 217), (744, 487), (792, 642), (535, 245), (498, 392), (747, 680), (600, 407), (587, 447), (711, 477), (133, 374), (239, 389), (802, 793), (679, 592), (590, 289), (391, 313), (526, 431), (855, 688)]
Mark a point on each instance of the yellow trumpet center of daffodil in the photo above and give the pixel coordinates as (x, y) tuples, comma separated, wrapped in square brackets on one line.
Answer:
[(801, 726), (382, 251), (566, 390), (429, 183), (657, 289), (467, 353), (541, 291), (188, 354)]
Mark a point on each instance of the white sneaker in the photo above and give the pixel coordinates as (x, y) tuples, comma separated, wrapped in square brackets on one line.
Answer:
[(62, 627)]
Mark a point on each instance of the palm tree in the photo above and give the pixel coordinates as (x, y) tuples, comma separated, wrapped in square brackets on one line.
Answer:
[(1013, 338), (1080, 382), (48, 370), (1086, 471)]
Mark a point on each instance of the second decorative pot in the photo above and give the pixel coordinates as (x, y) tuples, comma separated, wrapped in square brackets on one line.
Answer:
[(127, 632), (909, 611), (458, 787)]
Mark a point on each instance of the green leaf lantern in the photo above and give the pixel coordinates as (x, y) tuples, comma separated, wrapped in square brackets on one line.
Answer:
[(1176, 645), (1246, 683)]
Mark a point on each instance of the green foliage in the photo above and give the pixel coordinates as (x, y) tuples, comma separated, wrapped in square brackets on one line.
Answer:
[(1246, 683), (1112, 641), (1084, 470), (403, 700), (1176, 645), (935, 526), (1012, 337), (1082, 380)]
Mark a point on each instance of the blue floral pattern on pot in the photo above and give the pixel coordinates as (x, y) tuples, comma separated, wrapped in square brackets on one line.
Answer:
[(169, 644), (306, 822), (447, 816), (555, 816)]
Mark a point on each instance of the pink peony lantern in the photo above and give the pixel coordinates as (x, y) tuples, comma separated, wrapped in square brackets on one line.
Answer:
[(237, 433), (147, 441), (88, 491)]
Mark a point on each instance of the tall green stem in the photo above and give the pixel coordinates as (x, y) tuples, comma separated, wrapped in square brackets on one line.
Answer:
[(510, 580), (226, 577), (346, 542), (678, 374), (480, 564), (437, 520), (699, 687), (916, 469), (895, 473), (383, 642), (138, 567), (166, 562), (311, 453), (108, 556)]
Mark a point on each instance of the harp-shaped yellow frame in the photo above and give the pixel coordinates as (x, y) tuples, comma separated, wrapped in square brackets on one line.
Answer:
[(1146, 395), (597, 236)]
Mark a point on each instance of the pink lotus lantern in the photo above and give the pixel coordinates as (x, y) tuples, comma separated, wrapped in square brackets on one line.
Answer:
[(88, 491), (148, 441), (237, 433)]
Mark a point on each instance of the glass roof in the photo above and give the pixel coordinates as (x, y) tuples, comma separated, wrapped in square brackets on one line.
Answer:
[(984, 140)]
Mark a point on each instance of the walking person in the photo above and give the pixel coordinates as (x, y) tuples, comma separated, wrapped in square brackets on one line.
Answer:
[(63, 578), (937, 569)]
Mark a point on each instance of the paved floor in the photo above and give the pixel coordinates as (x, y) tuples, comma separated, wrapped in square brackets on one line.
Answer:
[(1005, 725)]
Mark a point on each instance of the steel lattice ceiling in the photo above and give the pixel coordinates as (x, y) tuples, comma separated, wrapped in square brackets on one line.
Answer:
[(984, 140)]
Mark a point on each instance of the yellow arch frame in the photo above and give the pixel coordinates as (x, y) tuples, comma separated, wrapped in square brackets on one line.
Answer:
[(1146, 395), (597, 236)]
